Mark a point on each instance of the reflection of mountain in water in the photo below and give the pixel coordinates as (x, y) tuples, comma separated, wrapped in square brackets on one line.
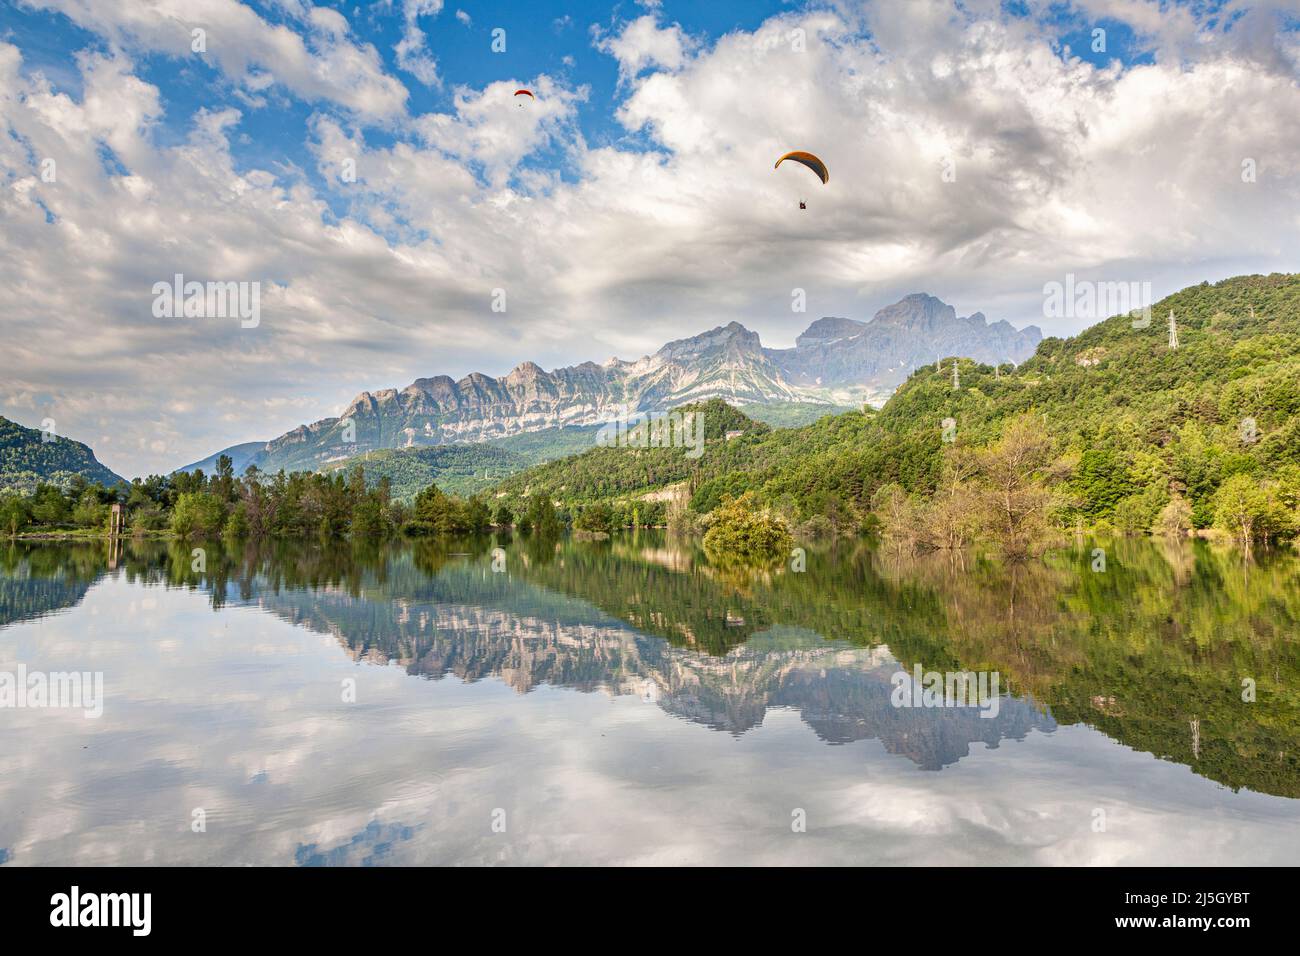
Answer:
[(1161, 640), (527, 636), (843, 704), (1152, 653)]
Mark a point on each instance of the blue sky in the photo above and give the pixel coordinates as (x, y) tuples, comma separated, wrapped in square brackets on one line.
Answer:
[(543, 38), (551, 38), (633, 202)]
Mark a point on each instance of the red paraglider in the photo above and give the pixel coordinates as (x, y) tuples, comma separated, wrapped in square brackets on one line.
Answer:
[(527, 93)]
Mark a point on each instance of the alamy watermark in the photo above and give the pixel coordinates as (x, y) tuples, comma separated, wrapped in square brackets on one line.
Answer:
[(1084, 299), (655, 430), (210, 300), (82, 690), (130, 910), (947, 689)]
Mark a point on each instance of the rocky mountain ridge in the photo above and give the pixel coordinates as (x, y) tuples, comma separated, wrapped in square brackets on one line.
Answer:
[(836, 361)]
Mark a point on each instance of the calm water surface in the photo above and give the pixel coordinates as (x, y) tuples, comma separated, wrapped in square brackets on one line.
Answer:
[(626, 702)]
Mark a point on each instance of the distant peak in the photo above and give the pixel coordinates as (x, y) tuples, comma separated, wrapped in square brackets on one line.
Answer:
[(830, 329), (918, 309), (436, 380), (525, 371), (722, 336)]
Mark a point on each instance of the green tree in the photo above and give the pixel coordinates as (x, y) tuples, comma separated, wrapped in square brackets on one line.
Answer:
[(223, 482), (1101, 482), (741, 531), (15, 513), (89, 511), (1241, 508), (541, 514), (437, 514), (1136, 514), (1175, 518), (478, 517), (197, 513), (368, 517), (598, 517), (49, 507), (236, 527)]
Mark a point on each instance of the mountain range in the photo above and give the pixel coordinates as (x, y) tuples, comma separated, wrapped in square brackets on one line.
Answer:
[(1134, 423), (835, 362)]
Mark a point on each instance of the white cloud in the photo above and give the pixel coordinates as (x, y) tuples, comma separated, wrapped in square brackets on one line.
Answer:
[(494, 130), (643, 44), (324, 63), (412, 53), (1061, 167)]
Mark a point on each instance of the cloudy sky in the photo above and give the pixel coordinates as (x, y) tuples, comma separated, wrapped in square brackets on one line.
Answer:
[(978, 149)]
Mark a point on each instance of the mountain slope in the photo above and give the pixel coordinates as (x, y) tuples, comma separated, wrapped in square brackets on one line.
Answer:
[(1142, 419), (836, 362), (466, 469), (26, 460), (241, 457)]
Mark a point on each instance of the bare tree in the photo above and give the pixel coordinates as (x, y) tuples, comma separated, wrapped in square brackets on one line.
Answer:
[(954, 517), (1013, 476)]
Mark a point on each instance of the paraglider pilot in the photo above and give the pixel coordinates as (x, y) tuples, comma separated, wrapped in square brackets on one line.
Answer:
[(812, 162)]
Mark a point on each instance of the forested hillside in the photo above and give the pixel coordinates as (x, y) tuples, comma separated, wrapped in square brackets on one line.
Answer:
[(468, 468), (1123, 426), (623, 476), (26, 460)]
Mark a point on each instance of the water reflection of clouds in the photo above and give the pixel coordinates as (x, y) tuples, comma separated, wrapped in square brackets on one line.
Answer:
[(241, 715), (372, 845)]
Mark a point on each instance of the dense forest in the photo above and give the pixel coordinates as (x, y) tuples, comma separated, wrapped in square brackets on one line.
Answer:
[(469, 468), (792, 414), (29, 457), (257, 505)]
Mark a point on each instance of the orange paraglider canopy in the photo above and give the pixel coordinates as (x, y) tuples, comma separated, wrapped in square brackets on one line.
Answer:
[(809, 160)]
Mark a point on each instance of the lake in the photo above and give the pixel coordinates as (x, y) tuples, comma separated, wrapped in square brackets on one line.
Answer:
[(626, 702)]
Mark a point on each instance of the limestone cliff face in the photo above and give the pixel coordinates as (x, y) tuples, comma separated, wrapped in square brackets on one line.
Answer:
[(835, 361), (865, 361)]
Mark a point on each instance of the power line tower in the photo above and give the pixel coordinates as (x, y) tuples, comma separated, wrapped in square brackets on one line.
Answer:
[(1173, 330)]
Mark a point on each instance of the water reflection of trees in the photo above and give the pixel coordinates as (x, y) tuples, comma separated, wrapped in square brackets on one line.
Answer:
[(1152, 650)]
